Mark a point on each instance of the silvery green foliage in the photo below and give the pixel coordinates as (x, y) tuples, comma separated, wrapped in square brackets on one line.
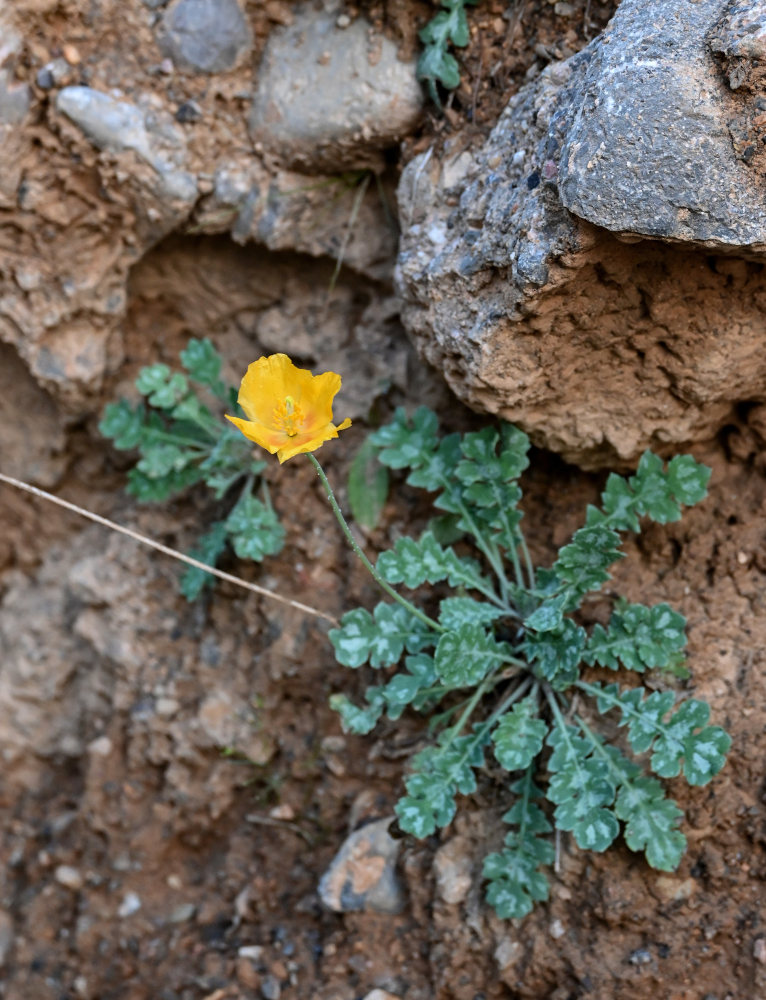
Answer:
[(499, 668), (181, 441)]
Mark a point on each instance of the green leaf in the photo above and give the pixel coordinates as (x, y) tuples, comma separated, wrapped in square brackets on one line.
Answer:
[(367, 486), (207, 550), (519, 735), (415, 563), (437, 467), (653, 494), (203, 363), (582, 565), (353, 719), (638, 638), (556, 654), (683, 737), (441, 772), (650, 822), (148, 489), (163, 388), (457, 611), (465, 656), (688, 479), (123, 423), (161, 460), (619, 503), (381, 639), (516, 883), (406, 443), (581, 789), (254, 529)]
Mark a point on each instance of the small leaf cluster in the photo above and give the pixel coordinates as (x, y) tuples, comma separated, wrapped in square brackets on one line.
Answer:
[(181, 438), (436, 62), (493, 653)]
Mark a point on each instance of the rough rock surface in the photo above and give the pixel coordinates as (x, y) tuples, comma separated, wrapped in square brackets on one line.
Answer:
[(362, 875), (126, 163), (649, 150), (205, 36), (599, 348), (331, 95)]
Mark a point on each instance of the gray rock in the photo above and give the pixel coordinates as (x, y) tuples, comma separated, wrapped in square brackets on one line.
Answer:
[(649, 150), (540, 298), (6, 936), (118, 125), (14, 99), (205, 36), (362, 875), (739, 40), (331, 98)]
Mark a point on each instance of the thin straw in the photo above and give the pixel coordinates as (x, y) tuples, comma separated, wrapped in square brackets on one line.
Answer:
[(166, 550)]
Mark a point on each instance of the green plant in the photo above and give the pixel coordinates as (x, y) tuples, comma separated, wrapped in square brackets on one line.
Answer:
[(436, 62), (497, 659), (181, 441)]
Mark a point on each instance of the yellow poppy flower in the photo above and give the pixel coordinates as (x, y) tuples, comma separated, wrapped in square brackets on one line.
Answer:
[(289, 410)]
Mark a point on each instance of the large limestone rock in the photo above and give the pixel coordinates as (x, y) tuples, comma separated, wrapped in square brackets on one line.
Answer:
[(525, 270)]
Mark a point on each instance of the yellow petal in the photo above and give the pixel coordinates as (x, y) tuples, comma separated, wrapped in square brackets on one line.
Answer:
[(266, 437), (267, 381)]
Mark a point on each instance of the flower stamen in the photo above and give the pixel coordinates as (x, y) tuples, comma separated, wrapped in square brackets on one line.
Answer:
[(288, 416)]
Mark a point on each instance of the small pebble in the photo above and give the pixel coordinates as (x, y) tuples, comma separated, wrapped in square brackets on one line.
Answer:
[(759, 950), (270, 988), (71, 54), (183, 913), (252, 951), (556, 930), (130, 904), (69, 877), (343, 21), (188, 112), (641, 956)]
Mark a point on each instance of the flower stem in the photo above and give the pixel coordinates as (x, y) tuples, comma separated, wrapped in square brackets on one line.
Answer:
[(366, 562)]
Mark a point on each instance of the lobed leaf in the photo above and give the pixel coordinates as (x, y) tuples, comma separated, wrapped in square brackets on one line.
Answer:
[(465, 655), (582, 565), (518, 736), (638, 637), (684, 740), (163, 388), (207, 550), (407, 443), (513, 873), (380, 639), (556, 653), (203, 363), (254, 529)]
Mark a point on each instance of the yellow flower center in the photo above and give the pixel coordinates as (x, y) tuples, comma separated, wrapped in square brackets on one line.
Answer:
[(288, 416)]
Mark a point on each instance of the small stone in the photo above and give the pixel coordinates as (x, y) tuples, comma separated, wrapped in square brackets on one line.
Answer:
[(362, 875), (556, 930), (672, 890), (759, 950), (166, 707), (453, 867), (44, 78), (71, 54), (380, 995), (564, 9), (100, 747), (253, 952), (188, 112), (69, 877), (205, 36), (271, 988), (507, 952), (342, 21), (283, 811), (14, 99), (183, 913), (131, 903), (641, 956)]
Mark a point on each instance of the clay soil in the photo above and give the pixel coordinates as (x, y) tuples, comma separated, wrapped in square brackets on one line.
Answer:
[(159, 838)]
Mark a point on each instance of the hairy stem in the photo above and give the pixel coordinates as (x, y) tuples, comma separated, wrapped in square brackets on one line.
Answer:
[(365, 561)]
